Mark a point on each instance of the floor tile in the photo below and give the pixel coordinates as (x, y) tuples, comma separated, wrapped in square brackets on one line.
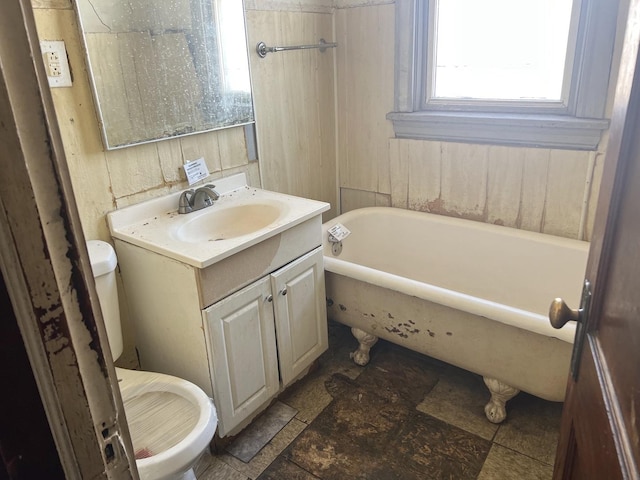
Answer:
[(335, 458), (308, 396), (365, 435), (368, 420), (269, 453), (395, 371), (213, 468), (459, 398), (404, 416), (261, 431), (338, 358), (204, 462), (532, 427), (435, 449), (505, 464), (283, 469), (345, 440)]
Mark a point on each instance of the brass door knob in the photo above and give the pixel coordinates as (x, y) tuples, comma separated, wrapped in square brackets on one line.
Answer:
[(560, 314)]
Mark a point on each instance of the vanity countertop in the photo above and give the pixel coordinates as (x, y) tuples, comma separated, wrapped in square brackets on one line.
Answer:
[(156, 225)]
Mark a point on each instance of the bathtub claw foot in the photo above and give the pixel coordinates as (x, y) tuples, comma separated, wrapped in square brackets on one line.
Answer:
[(500, 393), (366, 341)]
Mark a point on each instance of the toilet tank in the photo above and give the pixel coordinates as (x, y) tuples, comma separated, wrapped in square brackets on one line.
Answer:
[(103, 263)]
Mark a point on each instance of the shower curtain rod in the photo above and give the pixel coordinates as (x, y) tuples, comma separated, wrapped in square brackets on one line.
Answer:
[(262, 48)]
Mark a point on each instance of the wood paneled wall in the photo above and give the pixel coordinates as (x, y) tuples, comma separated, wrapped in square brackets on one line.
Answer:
[(295, 104), (365, 95), (533, 189)]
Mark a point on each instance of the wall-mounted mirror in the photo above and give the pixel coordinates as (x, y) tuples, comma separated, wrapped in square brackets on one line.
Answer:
[(165, 68)]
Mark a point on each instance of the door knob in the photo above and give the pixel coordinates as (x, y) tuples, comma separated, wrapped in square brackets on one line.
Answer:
[(560, 313)]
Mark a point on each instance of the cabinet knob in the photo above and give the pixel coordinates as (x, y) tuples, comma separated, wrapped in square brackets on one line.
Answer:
[(283, 291), (269, 298)]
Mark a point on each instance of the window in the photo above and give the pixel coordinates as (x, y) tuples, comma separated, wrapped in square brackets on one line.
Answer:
[(514, 72)]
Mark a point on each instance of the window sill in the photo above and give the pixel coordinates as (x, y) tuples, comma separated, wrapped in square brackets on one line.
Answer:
[(525, 130)]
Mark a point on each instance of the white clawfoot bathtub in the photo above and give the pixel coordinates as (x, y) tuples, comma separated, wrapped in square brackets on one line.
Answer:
[(468, 293)]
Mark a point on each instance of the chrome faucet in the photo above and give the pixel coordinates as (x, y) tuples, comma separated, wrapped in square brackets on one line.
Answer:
[(204, 197), (194, 200)]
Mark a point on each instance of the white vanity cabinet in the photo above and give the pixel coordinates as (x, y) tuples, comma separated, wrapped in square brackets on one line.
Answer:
[(230, 297), (249, 367)]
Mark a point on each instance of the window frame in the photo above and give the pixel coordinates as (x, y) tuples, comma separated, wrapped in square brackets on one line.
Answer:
[(576, 124)]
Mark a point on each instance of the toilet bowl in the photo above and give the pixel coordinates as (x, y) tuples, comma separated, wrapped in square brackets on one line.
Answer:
[(171, 420)]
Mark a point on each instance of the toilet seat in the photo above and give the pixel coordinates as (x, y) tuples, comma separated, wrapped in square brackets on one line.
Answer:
[(170, 419)]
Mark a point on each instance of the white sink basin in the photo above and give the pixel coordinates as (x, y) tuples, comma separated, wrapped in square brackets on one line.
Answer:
[(242, 217), (216, 224)]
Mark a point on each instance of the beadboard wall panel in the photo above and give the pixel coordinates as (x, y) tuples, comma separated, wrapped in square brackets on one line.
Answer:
[(504, 185), (510, 186)]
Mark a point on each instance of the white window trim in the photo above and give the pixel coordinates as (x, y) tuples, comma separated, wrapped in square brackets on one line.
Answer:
[(580, 127)]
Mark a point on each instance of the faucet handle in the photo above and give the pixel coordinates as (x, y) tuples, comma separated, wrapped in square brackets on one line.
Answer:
[(210, 189), (184, 203)]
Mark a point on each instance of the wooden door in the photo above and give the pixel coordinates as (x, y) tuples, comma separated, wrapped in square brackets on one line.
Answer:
[(241, 343), (46, 269), (600, 433), (301, 314)]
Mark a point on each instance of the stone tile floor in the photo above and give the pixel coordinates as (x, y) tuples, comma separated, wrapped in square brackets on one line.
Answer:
[(403, 416)]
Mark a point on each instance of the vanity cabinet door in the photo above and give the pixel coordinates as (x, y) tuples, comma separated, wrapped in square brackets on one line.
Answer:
[(301, 314), (242, 351)]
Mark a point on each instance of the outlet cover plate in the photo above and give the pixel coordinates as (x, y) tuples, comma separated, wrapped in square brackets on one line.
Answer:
[(56, 64)]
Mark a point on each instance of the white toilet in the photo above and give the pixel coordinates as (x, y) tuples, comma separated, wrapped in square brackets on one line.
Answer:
[(171, 420)]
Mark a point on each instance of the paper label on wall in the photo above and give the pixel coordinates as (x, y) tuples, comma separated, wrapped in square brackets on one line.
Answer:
[(196, 170), (339, 232)]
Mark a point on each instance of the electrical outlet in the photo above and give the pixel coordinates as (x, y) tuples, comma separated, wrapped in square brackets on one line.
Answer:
[(56, 64), (52, 64)]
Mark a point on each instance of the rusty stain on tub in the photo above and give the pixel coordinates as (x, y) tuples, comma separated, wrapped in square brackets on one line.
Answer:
[(342, 307)]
